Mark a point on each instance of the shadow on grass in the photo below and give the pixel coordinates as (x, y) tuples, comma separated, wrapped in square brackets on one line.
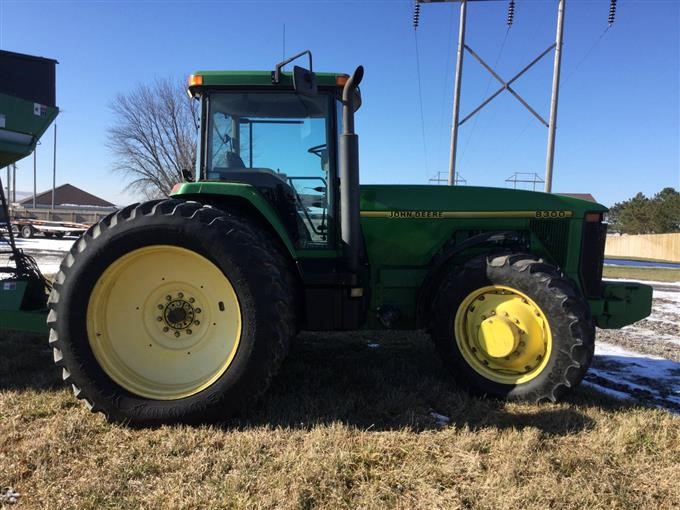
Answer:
[(26, 362), (395, 380), (369, 380)]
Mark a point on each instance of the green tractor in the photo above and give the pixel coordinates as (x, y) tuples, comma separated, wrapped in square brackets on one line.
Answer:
[(182, 309)]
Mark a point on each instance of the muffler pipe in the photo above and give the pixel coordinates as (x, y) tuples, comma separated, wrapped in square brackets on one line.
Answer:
[(350, 225)]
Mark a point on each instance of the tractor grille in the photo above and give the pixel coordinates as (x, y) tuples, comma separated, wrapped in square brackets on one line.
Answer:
[(554, 234), (592, 257)]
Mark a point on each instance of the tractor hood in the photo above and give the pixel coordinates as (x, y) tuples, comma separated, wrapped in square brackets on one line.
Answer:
[(414, 201)]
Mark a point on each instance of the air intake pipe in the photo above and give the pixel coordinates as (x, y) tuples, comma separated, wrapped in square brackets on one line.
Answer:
[(349, 172)]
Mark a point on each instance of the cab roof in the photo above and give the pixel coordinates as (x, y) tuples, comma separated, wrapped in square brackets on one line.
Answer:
[(258, 79)]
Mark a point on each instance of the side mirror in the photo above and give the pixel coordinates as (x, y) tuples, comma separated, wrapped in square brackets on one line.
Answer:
[(304, 81)]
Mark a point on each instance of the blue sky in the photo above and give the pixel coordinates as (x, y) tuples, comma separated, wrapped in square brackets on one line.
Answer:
[(619, 104)]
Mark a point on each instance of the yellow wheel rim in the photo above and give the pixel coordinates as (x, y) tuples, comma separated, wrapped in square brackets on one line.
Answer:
[(164, 322), (503, 334)]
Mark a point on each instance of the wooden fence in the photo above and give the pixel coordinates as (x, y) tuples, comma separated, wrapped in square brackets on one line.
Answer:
[(647, 246)]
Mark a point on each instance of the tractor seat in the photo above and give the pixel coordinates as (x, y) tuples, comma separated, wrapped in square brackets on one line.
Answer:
[(233, 160)]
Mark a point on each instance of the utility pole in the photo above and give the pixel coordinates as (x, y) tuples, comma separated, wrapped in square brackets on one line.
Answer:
[(14, 181), (550, 158), (34, 172), (54, 166), (456, 92)]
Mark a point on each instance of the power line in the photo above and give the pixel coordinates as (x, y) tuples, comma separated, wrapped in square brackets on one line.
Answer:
[(420, 99), (445, 81)]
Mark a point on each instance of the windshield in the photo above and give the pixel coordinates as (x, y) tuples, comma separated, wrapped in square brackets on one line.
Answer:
[(284, 135)]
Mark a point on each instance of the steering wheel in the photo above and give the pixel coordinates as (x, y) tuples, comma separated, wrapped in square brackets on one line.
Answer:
[(317, 150)]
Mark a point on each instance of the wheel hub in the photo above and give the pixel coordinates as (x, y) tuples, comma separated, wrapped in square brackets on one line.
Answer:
[(179, 314), (503, 334), (498, 337)]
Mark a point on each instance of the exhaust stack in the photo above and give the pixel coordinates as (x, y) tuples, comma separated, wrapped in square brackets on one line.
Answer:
[(349, 172)]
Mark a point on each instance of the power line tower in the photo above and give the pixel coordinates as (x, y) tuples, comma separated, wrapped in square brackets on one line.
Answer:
[(442, 178), (506, 85), (525, 178)]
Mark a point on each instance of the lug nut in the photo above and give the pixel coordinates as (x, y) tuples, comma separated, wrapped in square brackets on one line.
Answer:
[(191, 300), (166, 329), (168, 298), (197, 323), (160, 307), (180, 295), (198, 310), (176, 333), (189, 331), (159, 319)]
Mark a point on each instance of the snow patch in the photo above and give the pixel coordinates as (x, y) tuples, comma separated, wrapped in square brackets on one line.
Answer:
[(628, 374)]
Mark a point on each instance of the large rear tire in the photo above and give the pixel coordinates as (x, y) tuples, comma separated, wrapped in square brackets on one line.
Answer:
[(171, 311), (513, 327)]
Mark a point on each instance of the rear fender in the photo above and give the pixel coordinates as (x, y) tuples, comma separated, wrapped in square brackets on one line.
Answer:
[(240, 196)]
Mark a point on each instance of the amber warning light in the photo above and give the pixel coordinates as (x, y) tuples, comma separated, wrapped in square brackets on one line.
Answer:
[(195, 79)]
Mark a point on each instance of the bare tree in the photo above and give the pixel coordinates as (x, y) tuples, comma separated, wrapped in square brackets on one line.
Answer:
[(154, 136)]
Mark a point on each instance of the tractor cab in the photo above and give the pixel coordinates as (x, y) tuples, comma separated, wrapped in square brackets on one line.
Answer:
[(279, 133), (279, 142)]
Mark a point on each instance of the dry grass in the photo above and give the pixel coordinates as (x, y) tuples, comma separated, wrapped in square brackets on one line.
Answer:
[(656, 274), (345, 426)]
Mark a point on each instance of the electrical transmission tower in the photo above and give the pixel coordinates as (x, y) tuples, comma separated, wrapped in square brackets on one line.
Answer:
[(506, 85), (442, 178), (525, 178)]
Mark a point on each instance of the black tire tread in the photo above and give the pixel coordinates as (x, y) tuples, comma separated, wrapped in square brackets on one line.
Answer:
[(574, 307), (276, 279)]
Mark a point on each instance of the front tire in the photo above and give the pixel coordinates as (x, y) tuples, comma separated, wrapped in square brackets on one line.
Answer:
[(513, 327), (170, 311)]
